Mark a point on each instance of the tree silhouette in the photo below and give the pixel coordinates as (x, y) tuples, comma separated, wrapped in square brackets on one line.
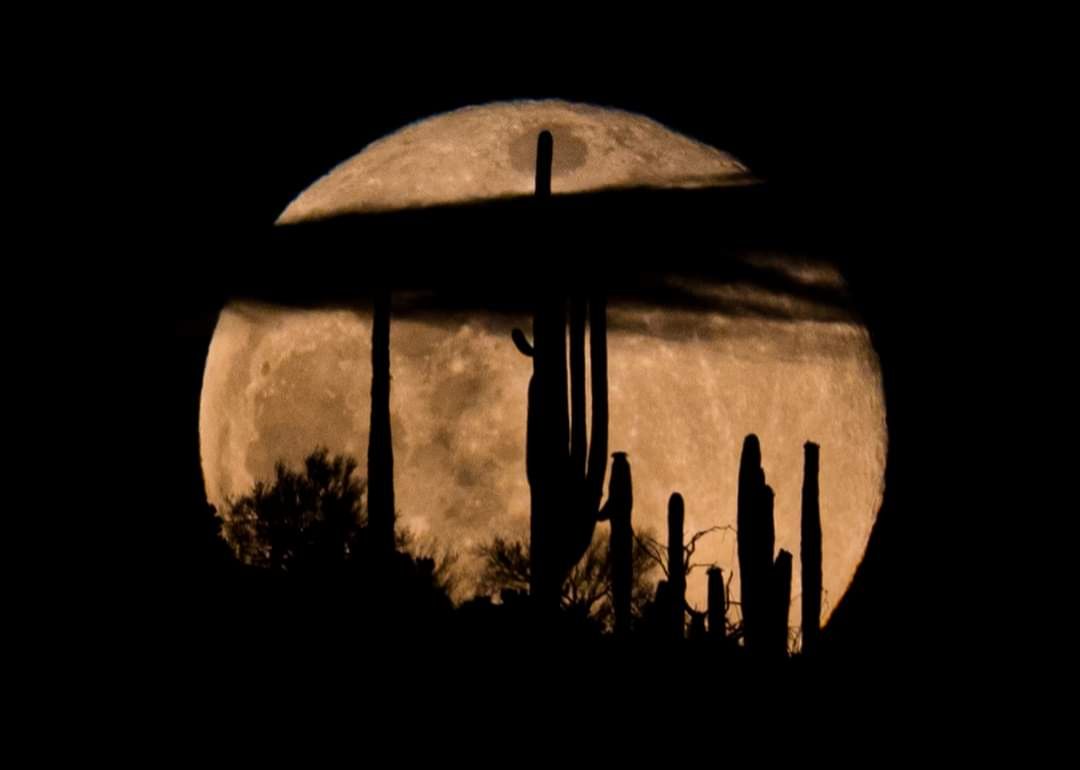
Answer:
[(303, 521), (658, 555), (429, 552), (587, 590)]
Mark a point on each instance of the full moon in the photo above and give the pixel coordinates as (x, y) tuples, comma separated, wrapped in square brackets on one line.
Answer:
[(686, 385)]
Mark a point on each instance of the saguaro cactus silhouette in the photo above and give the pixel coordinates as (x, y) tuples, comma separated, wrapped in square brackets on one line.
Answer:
[(618, 510), (717, 613), (676, 571), (565, 468), (810, 551), (380, 446), (780, 596), (754, 519), (766, 585)]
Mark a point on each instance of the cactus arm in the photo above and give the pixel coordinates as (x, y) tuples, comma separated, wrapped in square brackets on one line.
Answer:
[(522, 343)]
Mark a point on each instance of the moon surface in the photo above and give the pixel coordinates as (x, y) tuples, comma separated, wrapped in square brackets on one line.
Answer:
[(487, 152), (684, 391), (686, 385)]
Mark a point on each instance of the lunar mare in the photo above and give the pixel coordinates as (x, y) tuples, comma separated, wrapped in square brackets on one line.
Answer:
[(489, 151), (684, 391)]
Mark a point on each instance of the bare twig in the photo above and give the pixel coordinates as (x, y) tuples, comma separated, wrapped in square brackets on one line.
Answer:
[(657, 551)]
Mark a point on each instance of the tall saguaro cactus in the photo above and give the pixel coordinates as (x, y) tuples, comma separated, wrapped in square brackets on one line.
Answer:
[(754, 520), (676, 571), (618, 510), (380, 445), (565, 467), (810, 551), (766, 585)]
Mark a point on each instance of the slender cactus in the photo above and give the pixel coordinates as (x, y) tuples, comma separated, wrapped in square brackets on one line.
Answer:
[(697, 626), (660, 617), (810, 551), (755, 543), (618, 510), (717, 605), (676, 571), (781, 602), (380, 445)]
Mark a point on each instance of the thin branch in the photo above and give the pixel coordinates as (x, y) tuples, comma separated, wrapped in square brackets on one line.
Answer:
[(693, 612), (690, 567), (700, 534), (691, 547)]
